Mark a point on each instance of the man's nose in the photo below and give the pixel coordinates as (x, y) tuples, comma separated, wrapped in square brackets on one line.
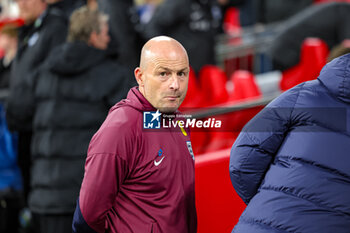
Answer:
[(174, 82)]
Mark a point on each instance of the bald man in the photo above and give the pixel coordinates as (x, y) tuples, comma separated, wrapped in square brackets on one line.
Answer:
[(139, 179)]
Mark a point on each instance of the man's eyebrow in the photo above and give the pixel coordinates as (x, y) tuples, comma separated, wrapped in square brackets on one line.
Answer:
[(168, 69), (185, 69), (163, 68)]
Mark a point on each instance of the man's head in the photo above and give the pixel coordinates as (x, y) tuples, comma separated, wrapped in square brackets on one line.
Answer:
[(30, 10), (8, 37), (52, 1), (89, 26), (163, 73)]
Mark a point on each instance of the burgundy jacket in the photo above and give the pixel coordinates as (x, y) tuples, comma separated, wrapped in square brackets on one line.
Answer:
[(137, 180)]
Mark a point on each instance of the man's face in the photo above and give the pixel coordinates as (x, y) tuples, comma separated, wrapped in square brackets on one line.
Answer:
[(7, 42), (102, 38), (30, 10), (164, 80)]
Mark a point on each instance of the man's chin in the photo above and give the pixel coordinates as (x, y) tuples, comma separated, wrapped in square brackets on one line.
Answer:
[(168, 109)]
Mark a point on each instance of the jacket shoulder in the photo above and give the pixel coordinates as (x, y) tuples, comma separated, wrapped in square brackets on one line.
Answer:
[(315, 94)]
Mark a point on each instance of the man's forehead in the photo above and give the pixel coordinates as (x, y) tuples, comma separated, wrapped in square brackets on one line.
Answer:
[(171, 53), (170, 64)]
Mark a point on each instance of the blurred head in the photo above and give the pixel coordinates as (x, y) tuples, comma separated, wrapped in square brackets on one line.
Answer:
[(30, 10), (8, 40), (52, 1), (163, 73), (90, 27), (92, 4), (339, 50)]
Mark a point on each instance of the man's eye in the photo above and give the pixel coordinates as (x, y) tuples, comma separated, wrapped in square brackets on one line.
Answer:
[(162, 73), (181, 74)]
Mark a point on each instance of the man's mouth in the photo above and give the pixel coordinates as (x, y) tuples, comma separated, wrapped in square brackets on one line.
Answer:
[(172, 98)]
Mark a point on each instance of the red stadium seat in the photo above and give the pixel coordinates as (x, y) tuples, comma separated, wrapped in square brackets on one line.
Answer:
[(213, 84), (244, 86), (232, 24), (314, 53)]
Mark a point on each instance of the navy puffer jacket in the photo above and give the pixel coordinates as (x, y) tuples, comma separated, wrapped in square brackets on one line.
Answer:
[(291, 163)]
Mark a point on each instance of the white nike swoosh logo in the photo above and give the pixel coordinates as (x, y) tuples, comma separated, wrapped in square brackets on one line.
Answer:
[(157, 163)]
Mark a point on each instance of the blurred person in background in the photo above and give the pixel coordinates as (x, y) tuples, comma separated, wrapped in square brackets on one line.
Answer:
[(29, 11), (65, 7), (70, 95), (193, 23), (11, 198), (268, 11), (8, 43), (125, 42), (329, 22), (339, 50), (8, 9), (45, 28)]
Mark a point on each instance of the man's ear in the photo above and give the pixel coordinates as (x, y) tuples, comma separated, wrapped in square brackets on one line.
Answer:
[(139, 76)]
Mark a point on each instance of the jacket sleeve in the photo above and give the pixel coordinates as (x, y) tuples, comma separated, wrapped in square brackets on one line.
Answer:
[(105, 170), (255, 148), (20, 104)]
